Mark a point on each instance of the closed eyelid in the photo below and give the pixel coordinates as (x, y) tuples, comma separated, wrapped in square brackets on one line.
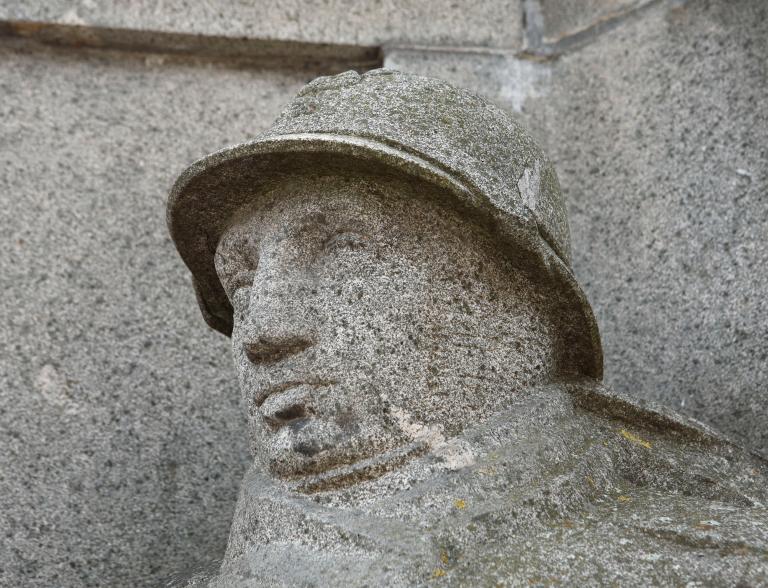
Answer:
[(232, 257), (346, 238), (238, 281), (244, 278)]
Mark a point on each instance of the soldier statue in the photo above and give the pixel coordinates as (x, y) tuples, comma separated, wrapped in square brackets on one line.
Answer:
[(421, 371)]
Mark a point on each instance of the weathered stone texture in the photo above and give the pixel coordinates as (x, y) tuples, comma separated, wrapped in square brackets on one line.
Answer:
[(424, 408), (504, 79), (485, 23), (121, 433), (657, 130), (552, 20)]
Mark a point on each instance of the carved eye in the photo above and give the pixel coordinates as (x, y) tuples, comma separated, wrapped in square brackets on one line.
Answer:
[(345, 241), (238, 282), (235, 272)]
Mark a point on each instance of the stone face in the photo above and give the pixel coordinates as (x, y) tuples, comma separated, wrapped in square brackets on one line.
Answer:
[(354, 334), (412, 370), (278, 286), (123, 441), (485, 23), (418, 126)]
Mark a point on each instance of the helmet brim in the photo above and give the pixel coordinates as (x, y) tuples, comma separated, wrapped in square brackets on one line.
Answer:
[(208, 194)]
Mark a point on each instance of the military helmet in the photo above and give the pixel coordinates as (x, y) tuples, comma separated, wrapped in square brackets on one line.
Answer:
[(406, 124)]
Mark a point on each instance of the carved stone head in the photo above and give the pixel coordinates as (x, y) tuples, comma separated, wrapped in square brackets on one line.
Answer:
[(391, 260)]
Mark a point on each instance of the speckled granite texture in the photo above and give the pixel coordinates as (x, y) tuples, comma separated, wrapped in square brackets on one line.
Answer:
[(415, 372), (655, 128), (653, 123), (489, 23), (657, 132), (121, 434)]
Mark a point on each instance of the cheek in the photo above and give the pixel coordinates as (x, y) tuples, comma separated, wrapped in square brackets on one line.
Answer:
[(246, 374), (373, 306), (378, 333)]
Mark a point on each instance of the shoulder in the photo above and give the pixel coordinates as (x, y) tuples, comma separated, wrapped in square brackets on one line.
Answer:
[(596, 397)]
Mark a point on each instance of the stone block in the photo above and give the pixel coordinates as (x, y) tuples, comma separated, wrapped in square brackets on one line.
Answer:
[(551, 21), (484, 23)]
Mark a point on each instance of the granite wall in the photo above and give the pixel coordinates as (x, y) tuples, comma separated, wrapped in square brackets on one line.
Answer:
[(122, 437), (121, 434)]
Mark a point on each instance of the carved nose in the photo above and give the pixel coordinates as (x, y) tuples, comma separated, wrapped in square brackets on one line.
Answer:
[(267, 350)]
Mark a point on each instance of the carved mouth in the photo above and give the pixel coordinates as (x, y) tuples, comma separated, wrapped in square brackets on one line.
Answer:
[(266, 352), (362, 470)]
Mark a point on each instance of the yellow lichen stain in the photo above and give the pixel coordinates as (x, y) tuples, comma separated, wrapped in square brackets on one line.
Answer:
[(438, 573), (460, 504), (24, 29), (635, 439), (623, 498)]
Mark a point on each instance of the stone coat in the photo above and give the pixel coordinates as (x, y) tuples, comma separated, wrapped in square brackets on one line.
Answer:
[(573, 485)]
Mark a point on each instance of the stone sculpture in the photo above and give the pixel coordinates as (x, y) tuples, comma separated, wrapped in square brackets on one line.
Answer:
[(421, 371)]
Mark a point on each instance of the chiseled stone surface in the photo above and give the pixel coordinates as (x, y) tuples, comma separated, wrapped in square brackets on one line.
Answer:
[(420, 374), (104, 484), (479, 23), (549, 492), (122, 439)]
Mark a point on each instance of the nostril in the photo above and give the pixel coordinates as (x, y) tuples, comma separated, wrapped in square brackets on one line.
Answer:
[(290, 414), (294, 414), (271, 350)]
